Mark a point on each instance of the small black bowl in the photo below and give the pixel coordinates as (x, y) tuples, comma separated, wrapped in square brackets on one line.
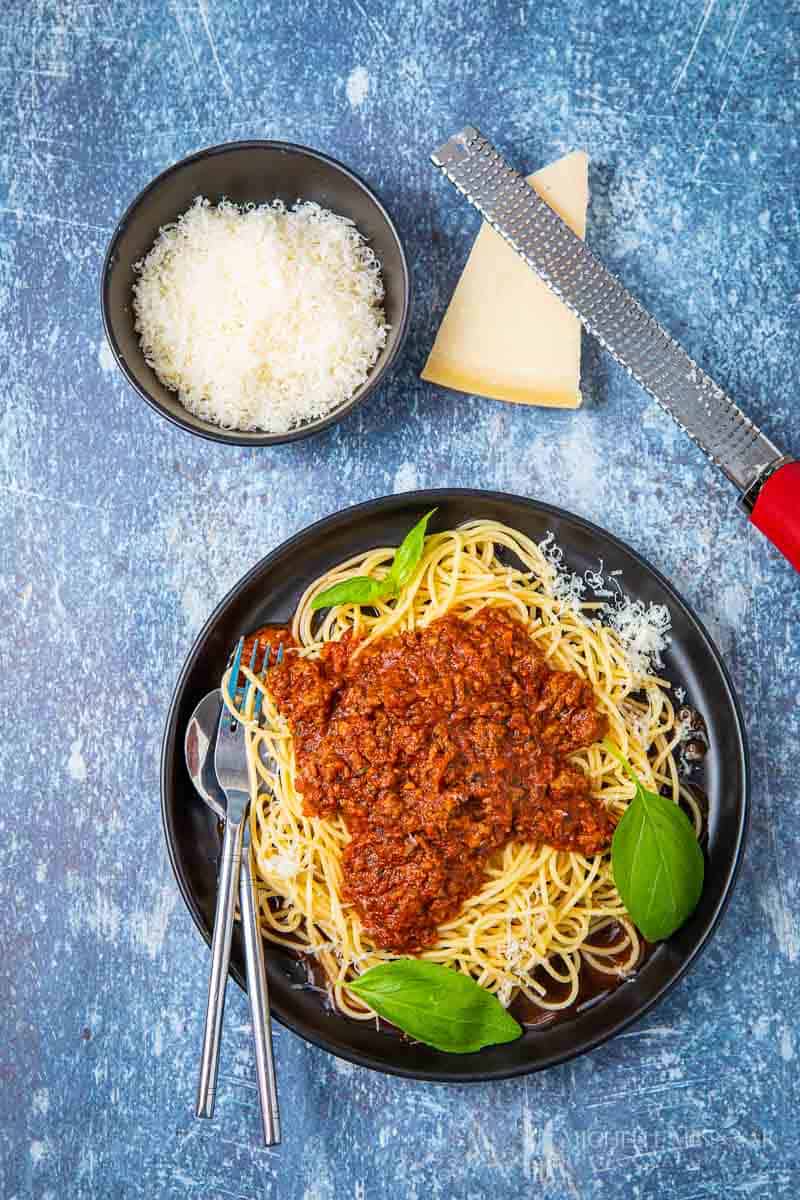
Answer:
[(246, 172)]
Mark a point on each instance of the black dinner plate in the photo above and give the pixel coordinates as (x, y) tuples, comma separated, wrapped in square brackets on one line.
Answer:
[(269, 593)]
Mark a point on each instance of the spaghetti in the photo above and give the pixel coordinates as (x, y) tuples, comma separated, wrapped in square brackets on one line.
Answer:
[(540, 914)]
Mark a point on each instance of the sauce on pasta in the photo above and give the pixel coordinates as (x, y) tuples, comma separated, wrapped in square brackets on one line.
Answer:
[(438, 747)]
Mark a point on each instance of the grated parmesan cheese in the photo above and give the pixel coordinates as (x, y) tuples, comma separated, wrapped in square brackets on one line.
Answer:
[(642, 630), (282, 865), (260, 318), (565, 585)]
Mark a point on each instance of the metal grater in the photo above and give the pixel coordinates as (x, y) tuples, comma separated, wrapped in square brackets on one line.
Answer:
[(609, 311)]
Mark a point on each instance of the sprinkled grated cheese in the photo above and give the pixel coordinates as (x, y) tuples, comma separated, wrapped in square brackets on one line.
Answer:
[(260, 317), (566, 586), (642, 630), (596, 583), (282, 865)]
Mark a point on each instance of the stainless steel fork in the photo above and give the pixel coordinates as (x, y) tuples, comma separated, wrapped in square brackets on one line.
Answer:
[(230, 762)]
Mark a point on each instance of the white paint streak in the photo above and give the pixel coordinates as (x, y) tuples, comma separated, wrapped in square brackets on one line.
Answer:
[(105, 917), (76, 763), (376, 25), (764, 1183), (39, 1150), (710, 5), (786, 1044), (782, 920), (58, 604), (105, 357), (405, 478), (202, 8), (149, 928), (573, 459), (542, 1162), (710, 138), (653, 1031), (357, 87), (40, 1102), (320, 1185), (23, 214), (86, 1165), (194, 606), (742, 10), (341, 1067), (735, 599)]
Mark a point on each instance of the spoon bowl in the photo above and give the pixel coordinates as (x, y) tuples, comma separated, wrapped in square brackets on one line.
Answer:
[(199, 744)]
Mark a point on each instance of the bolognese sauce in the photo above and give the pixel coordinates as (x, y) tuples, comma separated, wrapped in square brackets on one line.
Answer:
[(438, 747)]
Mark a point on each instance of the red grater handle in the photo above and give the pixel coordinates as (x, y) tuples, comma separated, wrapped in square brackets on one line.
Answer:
[(777, 511)]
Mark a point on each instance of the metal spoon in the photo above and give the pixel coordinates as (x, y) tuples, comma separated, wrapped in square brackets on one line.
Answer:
[(199, 745)]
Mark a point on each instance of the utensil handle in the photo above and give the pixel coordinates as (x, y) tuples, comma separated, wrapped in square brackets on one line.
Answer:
[(777, 511), (220, 958), (258, 994)]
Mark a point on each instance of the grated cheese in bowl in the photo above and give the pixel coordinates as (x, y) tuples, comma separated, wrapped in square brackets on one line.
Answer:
[(260, 317)]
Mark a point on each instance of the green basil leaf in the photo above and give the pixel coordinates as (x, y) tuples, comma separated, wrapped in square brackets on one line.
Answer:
[(410, 551), (436, 1005), (657, 862), (361, 589)]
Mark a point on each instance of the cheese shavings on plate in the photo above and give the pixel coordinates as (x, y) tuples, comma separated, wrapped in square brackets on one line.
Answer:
[(262, 317), (643, 629)]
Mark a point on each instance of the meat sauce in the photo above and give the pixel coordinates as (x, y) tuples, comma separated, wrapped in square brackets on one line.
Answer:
[(437, 748)]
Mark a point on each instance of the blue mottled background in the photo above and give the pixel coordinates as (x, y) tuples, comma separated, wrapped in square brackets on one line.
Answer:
[(117, 540)]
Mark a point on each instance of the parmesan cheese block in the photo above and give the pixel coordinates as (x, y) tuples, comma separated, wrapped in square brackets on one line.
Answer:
[(505, 334)]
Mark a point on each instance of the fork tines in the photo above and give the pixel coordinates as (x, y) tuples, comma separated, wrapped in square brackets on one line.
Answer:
[(265, 666), (240, 695)]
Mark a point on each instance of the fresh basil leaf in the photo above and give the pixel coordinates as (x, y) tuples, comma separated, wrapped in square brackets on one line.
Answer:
[(436, 1005), (657, 862), (409, 552), (361, 589)]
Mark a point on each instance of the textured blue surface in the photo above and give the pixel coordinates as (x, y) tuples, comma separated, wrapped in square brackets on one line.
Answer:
[(117, 540)]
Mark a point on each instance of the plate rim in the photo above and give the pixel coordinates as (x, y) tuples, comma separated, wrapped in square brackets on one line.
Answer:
[(424, 497)]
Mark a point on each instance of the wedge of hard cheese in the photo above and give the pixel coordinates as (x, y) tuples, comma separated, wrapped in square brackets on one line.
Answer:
[(505, 335)]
